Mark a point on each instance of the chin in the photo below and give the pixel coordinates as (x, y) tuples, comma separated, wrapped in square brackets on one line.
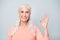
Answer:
[(24, 20)]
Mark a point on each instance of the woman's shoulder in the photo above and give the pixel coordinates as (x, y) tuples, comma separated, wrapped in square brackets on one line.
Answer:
[(10, 29), (36, 28)]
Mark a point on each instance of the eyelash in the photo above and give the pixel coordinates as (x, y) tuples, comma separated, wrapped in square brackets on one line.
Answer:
[(27, 12), (23, 12)]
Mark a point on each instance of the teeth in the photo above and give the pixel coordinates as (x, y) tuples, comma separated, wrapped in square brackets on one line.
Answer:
[(23, 17)]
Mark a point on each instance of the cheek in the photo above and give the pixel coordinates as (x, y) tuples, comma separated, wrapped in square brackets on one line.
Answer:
[(28, 15), (20, 15)]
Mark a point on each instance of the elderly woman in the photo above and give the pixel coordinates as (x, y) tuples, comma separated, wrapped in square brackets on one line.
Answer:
[(25, 30)]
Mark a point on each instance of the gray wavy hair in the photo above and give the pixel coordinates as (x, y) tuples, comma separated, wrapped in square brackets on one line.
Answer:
[(18, 21)]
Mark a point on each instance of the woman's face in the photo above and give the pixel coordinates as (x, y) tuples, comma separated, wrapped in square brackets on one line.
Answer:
[(24, 14)]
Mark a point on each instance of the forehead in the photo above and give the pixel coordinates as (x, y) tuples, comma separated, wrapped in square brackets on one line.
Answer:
[(25, 8)]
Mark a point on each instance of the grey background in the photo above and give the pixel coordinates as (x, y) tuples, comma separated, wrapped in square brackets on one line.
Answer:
[(9, 14)]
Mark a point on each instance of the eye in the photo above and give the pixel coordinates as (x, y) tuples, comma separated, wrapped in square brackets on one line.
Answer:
[(27, 11), (22, 11)]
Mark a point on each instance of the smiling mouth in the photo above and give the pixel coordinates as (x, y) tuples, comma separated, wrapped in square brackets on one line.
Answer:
[(23, 17)]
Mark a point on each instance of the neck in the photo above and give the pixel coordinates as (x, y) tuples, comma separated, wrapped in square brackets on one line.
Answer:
[(23, 23)]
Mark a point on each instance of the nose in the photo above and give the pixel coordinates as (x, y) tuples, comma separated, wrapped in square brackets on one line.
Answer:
[(24, 13)]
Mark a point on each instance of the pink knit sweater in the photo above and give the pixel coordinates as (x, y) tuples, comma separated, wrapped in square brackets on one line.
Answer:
[(25, 33)]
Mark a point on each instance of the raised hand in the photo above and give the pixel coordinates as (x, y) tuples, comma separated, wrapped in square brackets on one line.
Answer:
[(44, 21)]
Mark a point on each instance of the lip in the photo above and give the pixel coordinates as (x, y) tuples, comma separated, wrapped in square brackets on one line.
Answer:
[(23, 17)]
